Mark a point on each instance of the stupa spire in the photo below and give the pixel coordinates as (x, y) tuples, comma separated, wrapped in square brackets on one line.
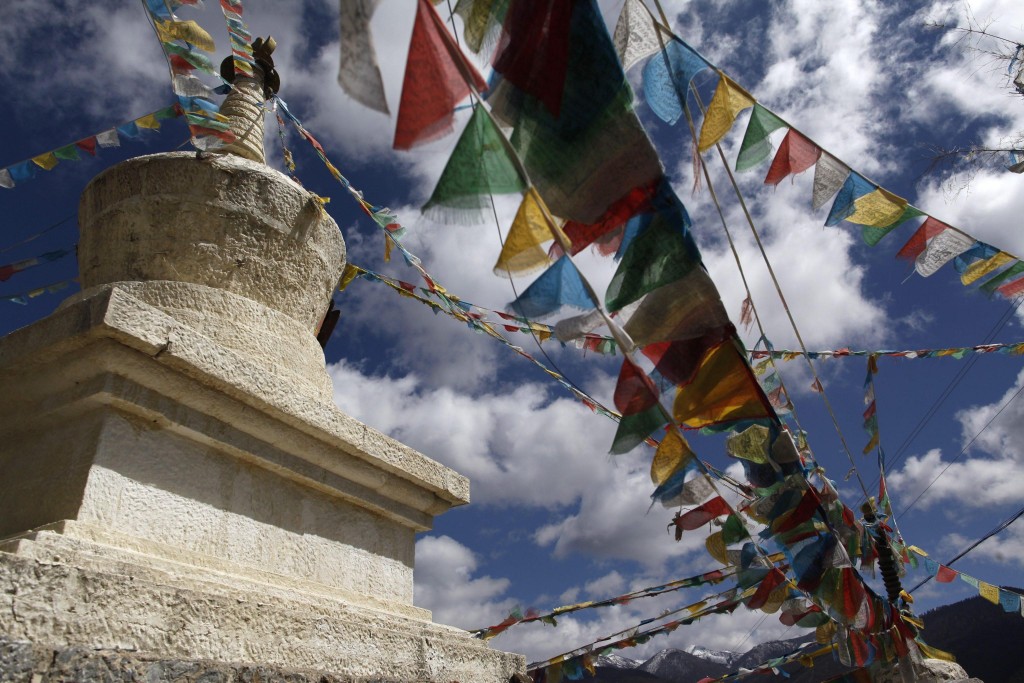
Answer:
[(244, 105)]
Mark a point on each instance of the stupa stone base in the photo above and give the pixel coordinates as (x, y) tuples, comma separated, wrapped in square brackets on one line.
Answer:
[(165, 494)]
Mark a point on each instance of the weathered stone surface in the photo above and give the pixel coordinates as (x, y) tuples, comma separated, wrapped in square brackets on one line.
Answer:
[(62, 606)]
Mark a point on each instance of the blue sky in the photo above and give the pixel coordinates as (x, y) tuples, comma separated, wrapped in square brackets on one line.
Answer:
[(554, 519)]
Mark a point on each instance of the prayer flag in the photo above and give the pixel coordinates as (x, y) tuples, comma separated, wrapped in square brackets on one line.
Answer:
[(45, 161), (877, 209), (148, 121), (5, 178), (358, 73), (701, 515), (796, 154), (521, 251), (940, 250), (755, 147), (67, 153), (853, 188), (685, 309), (980, 269), (634, 391), (88, 144), (667, 79), (26, 170), (633, 429), (663, 252), (481, 164), (723, 390), (535, 59), (129, 130), (872, 235), (672, 455), (188, 31), (829, 176), (635, 36), (435, 81), (726, 104), (481, 19), (560, 285)]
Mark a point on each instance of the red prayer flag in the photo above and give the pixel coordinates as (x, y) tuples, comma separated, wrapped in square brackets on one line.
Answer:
[(769, 583), (945, 574), (701, 515), (634, 392), (87, 144), (677, 361), (796, 154), (582, 235), (1012, 289), (915, 246), (434, 82), (535, 54)]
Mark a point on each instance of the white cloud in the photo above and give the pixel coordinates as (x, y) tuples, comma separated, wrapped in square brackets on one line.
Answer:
[(988, 474)]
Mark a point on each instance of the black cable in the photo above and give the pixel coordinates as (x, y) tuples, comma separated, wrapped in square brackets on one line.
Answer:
[(1001, 526)]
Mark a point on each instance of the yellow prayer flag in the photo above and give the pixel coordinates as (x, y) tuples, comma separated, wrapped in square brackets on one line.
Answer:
[(673, 454), (696, 607), (189, 31), (980, 269), (46, 161), (716, 547), (522, 252), (934, 653), (726, 104), (149, 121), (723, 390), (989, 592), (877, 209)]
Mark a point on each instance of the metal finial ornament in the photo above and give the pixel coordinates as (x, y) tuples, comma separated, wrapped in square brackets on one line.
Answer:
[(262, 52)]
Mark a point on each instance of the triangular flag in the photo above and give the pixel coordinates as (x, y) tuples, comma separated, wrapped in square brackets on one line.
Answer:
[(855, 187), (88, 144), (980, 269), (940, 250), (872, 235), (829, 176), (667, 79), (108, 138), (359, 74), (26, 170), (188, 31), (877, 209), (915, 246), (664, 251), (129, 130), (536, 42), (194, 58), (723, 390), (678, 490), (560, 285), (755, 147), (635, 36), (726, 104), (796, 154), (701, 515), (991, 285), (522, 252), (480, 165), (435, 81), (45, 161), (1012, 289), (5, 179), (633, 429), (672, 455), (685, 309), (149, 121), (481, 19), (634, 390), (67, 153)]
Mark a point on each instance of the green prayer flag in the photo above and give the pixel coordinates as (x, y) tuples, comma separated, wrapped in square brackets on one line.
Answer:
[(994, 283), (67, 153), (755, 147), (733, 530), (633, 429), (873, 235), (480, 165), (661, 254)]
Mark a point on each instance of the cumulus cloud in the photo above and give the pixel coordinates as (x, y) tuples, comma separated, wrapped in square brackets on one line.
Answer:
[(987, 474)]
